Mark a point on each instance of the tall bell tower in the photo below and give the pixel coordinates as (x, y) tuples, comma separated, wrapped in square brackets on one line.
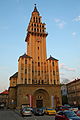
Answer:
[(36, 37), (37, 81)]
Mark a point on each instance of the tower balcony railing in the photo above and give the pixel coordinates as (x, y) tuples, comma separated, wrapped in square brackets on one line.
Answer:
[(36, 32)]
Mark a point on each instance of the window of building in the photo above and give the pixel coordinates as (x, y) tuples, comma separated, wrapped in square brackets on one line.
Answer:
[(39, 82), (21, 68), (53, 72), (39, 20), (34, 25), (54, 81), (25, 71), (38, 64), (25, 81), (42, 81), (38, 72), (38, 48), (32, 81), (43, 26), (13, 81), (53, 63), (35, 29), (38, 58), (25, 61), (34, 19)]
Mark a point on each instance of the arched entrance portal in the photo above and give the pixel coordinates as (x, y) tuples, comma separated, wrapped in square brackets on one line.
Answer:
[(41, 98)]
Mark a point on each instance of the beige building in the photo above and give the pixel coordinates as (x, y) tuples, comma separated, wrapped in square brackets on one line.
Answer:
[(73, 92), (37, 82)]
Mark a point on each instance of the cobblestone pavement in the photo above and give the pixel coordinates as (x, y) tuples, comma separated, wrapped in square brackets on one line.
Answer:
[(9, 115), (45, 117), (15, 115)]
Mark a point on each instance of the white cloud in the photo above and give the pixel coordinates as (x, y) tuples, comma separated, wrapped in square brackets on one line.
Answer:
[(64, 67), (57, 20), (77, 19), (60, 23), (74, 34)]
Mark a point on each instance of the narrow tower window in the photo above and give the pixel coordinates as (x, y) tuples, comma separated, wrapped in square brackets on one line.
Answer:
[(38, 64), (34, 19), (39, 20), (38, 48), (34, 29), (35, 25), (38, 58)]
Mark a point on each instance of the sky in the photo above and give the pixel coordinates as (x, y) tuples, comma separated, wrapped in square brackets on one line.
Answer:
[(62, 18)]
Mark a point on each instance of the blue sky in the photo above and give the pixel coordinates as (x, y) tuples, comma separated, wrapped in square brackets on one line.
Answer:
[(62, 18)]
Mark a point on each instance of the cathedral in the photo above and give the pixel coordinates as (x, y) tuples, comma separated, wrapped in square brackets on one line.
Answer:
[(36, 84)]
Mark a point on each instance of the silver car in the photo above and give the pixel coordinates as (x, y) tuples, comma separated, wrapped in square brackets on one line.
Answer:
[(26, 111)]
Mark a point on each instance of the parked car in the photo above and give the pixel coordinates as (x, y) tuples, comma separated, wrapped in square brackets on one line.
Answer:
[(62, 108), (38, 111), (67, 105), (74, 109), (2, 105), (66, 115), (26, 111), (50, 111), (78, 113), (44, 108)]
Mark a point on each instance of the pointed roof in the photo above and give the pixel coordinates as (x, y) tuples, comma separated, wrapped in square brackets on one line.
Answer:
[(15, 75), (35, 9), (25, 56), (51, 58)]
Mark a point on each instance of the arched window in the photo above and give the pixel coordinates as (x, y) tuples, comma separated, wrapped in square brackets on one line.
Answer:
[(39, 20), (34, 19), (34, 29)]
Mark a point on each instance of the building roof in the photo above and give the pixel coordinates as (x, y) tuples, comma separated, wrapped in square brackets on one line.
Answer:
[(4, 92), (15, 75), (51, 58), (25, 56), (76, 80), (35, 9)]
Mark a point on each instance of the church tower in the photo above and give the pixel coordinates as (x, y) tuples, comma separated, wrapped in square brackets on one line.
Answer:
[(34, 67), (38, 81), (36, 38)]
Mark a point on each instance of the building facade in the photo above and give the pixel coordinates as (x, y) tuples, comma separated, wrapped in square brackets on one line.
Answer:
[(73, 92), (37, 83), (64, 94)]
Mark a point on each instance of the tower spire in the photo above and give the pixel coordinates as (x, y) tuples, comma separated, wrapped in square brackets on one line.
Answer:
[(35, 9)]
